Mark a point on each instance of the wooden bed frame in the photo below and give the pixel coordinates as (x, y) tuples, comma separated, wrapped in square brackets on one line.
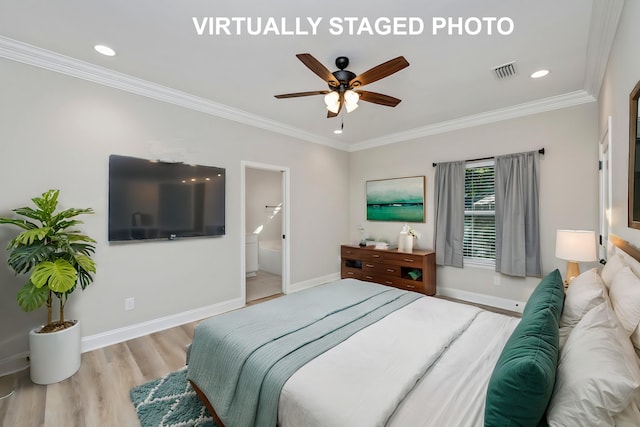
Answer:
[(617, 241), (206, 403), (625, 246)]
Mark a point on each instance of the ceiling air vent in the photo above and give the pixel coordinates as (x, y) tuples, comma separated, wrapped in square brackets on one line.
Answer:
[(506, 70)]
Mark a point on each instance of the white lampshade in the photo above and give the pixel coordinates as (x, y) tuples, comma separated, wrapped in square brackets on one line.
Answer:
[(332, 100), (576, 245), (351, 100)]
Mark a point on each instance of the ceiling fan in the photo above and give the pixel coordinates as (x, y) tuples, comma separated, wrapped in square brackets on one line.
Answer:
[(344, 85)]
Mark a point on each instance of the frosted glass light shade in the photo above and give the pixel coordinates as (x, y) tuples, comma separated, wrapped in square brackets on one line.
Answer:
[(351, 100), (576, 245), (332, 100)]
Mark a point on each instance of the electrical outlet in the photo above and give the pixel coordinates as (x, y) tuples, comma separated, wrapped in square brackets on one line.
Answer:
[(496, 280), (129, 303)]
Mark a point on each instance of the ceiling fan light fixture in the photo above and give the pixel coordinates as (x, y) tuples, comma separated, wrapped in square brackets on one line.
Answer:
[(349, 106), (332, 100), (351, 99)]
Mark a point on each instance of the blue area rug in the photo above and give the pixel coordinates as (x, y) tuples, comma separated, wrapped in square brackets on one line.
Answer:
[(170, 401)]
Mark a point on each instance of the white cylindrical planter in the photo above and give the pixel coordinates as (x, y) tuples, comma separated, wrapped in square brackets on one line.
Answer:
[(405, 243), (54, 356)]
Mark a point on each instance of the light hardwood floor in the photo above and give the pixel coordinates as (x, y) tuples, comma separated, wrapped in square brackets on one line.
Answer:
[(98, 394)]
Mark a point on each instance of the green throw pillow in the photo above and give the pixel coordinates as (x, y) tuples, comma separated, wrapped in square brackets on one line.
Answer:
[(548, 293), (522, 381)]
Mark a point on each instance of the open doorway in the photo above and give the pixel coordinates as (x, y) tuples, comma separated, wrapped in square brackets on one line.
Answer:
[(265, 209)]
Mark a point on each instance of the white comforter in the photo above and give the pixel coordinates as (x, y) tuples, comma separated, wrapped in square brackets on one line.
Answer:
[(427, 364)]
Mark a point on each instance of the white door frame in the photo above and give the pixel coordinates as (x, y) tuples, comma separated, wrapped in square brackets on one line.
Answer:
[(286, 223), (605, 196)]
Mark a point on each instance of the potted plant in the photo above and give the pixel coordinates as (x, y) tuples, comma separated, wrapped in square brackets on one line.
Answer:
[(57, 259)]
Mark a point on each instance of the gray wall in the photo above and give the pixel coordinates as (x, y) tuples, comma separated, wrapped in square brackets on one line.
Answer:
[(57, 132), (568, 185)]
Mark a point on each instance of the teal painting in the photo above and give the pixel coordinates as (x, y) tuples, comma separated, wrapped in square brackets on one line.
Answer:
[(397, 199)]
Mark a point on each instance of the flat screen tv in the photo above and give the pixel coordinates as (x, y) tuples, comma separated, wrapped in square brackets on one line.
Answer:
[(157, 200)]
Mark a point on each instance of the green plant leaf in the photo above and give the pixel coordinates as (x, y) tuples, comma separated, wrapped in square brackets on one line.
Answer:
[(30, 298), (18, 223), (76, 237), (29, 236), (83, 248), (59, 275), (31, 213), (48, 202), (24, 258), (86, 263)]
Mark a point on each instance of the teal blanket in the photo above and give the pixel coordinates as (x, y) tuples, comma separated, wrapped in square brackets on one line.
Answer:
[(242, 359)]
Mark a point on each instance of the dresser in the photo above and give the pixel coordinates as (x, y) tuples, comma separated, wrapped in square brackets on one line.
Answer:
[(415, 271)]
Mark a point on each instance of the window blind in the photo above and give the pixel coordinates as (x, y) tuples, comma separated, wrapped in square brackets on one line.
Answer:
[(479, 245)]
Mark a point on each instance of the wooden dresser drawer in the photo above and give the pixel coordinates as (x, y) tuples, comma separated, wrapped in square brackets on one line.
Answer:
[(350, 252), (410, 286), (353, 273), (378, 268), (403, 259), (414, 271)]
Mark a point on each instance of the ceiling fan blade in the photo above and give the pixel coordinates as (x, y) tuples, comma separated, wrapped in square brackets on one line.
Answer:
[(320, 70), (379, 72), (378, 98), (297, 94)]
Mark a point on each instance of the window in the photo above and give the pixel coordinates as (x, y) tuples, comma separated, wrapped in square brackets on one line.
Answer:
[(479, 245)]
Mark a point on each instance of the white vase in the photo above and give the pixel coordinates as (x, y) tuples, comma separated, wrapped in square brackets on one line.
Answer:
[(54, 356), (405, 243)]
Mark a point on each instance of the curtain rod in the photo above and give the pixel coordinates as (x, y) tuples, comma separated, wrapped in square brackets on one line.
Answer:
[(541, 151)]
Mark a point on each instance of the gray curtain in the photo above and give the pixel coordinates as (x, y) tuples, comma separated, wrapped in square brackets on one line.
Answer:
[(449, 216), (517, 215)]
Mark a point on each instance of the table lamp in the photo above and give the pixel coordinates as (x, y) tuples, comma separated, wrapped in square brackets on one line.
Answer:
[(575, 246)]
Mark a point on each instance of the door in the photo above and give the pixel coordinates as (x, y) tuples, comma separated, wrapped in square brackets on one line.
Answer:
[(265, 223)]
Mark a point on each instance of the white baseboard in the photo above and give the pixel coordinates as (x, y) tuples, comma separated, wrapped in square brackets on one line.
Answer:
[(502, 303), (13, 364), (94, 342), (295, 287)]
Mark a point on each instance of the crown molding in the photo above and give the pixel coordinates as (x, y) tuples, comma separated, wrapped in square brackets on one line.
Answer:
[(32, 55), (547, 104), (605, 17)]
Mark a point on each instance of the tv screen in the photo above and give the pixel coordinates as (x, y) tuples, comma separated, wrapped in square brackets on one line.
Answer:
[(157, 200)]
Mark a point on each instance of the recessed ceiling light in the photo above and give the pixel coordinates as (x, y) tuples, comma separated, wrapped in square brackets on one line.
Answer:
[(539, 73), (337, 131), (105, 50)]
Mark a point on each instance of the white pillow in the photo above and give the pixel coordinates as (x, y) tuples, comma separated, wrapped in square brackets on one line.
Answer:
[(625, 299), (598, 374), (614, 264), (585, 292), (630, 261)]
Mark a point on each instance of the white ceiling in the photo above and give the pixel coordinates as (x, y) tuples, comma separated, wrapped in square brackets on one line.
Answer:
[(449, 83)]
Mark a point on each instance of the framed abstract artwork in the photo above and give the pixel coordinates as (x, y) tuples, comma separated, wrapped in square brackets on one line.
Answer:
[(396, 199)]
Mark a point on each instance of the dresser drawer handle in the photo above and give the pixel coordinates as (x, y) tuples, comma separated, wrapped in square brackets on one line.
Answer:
[(409, 260), (375, 256), (350, 273), (388, 282), (391, 270), (411, 286), (369, 265), (368, 277)]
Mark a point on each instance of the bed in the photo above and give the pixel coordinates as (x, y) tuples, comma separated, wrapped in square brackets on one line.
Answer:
[(354, 353)]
